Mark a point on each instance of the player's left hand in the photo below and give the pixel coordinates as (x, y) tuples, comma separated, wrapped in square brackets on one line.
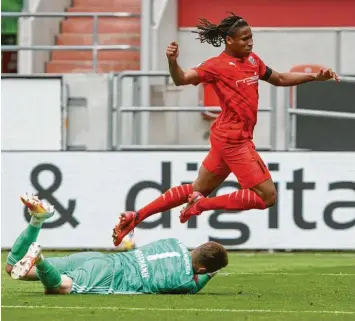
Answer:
[(327, 74)]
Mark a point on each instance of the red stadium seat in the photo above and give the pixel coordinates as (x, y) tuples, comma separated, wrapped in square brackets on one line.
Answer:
[(76, 31)]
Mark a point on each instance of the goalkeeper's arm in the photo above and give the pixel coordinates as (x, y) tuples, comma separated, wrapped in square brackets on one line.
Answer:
[(202, 280)]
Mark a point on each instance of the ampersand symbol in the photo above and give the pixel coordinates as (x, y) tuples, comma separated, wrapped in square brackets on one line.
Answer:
[(47, 194)]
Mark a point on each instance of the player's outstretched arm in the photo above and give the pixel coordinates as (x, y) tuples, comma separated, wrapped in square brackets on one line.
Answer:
[(179, 76), (202, 280), (294, 78)]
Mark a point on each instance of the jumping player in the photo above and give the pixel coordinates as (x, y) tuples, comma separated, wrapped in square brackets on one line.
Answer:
[(164, 266), (234, 75)]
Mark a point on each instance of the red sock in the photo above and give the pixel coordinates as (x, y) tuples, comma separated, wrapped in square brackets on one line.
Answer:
[(173, 197), (244, 199)]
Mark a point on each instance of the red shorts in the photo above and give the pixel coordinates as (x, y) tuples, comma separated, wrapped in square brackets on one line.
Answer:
[(242, 160)]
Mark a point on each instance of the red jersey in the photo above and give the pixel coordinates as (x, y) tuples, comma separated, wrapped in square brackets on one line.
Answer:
[(235, 81)]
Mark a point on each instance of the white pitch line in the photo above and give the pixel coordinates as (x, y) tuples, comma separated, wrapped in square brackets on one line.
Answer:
[(168, 310), (284, 273)]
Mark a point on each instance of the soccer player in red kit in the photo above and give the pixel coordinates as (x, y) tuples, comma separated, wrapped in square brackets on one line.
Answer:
[(234, 75)]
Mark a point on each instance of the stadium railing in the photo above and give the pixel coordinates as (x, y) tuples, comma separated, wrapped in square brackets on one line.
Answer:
[(292, 113), (94, 48), (117, 111), (116, 108), (115, 117)]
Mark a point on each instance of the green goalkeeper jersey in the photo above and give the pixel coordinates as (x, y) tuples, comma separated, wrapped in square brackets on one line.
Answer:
[(164, 266)]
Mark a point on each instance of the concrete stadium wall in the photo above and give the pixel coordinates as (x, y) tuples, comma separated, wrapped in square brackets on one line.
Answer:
[(87, 111), (32, 32), (164, 31)]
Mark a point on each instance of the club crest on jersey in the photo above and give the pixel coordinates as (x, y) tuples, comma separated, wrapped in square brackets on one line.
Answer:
[(252, 60)]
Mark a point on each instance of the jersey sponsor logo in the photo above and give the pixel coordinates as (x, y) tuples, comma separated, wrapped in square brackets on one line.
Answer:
[(142, 265), (248, 81), (186, 254)]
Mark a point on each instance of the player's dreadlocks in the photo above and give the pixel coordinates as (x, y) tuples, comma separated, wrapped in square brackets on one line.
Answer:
[(216, 34)]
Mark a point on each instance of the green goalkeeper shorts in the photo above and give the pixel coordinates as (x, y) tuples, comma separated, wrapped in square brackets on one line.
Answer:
[(94, 276), (71, 262)]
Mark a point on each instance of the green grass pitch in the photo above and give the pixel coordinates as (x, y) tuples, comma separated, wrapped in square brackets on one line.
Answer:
[(254, 287)]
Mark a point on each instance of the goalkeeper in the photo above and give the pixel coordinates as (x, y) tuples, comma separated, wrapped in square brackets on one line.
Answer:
[(164, 266)]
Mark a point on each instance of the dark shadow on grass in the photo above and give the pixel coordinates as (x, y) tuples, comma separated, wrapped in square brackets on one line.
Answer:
[(29, 294), (218, 294), (23, 296)]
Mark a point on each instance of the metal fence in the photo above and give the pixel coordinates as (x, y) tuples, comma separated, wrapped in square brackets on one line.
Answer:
[(293, 111), (115, 119), (95, 47), (115, 110)]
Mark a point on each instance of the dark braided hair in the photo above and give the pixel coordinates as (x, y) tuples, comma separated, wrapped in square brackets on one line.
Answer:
[(216, 34)]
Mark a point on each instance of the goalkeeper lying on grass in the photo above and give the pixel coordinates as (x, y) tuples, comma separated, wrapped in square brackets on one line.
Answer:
[(164, 266)]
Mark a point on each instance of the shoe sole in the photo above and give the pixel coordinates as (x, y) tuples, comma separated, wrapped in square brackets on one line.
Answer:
[(22, 267), (35, 208)]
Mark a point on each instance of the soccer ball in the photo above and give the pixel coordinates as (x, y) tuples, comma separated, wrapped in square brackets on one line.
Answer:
[(128, 243)]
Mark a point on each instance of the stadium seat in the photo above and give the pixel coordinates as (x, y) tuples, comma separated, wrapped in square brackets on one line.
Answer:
[(112, 31)]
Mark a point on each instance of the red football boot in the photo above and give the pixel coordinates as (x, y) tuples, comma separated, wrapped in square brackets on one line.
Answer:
[(191, 209), (126, 225)]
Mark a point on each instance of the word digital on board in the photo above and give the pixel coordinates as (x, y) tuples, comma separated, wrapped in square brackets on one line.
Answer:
[(298, 186)]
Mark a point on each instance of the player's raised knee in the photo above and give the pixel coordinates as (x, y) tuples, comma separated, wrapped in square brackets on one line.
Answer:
[(198, 187), (271, 198)]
